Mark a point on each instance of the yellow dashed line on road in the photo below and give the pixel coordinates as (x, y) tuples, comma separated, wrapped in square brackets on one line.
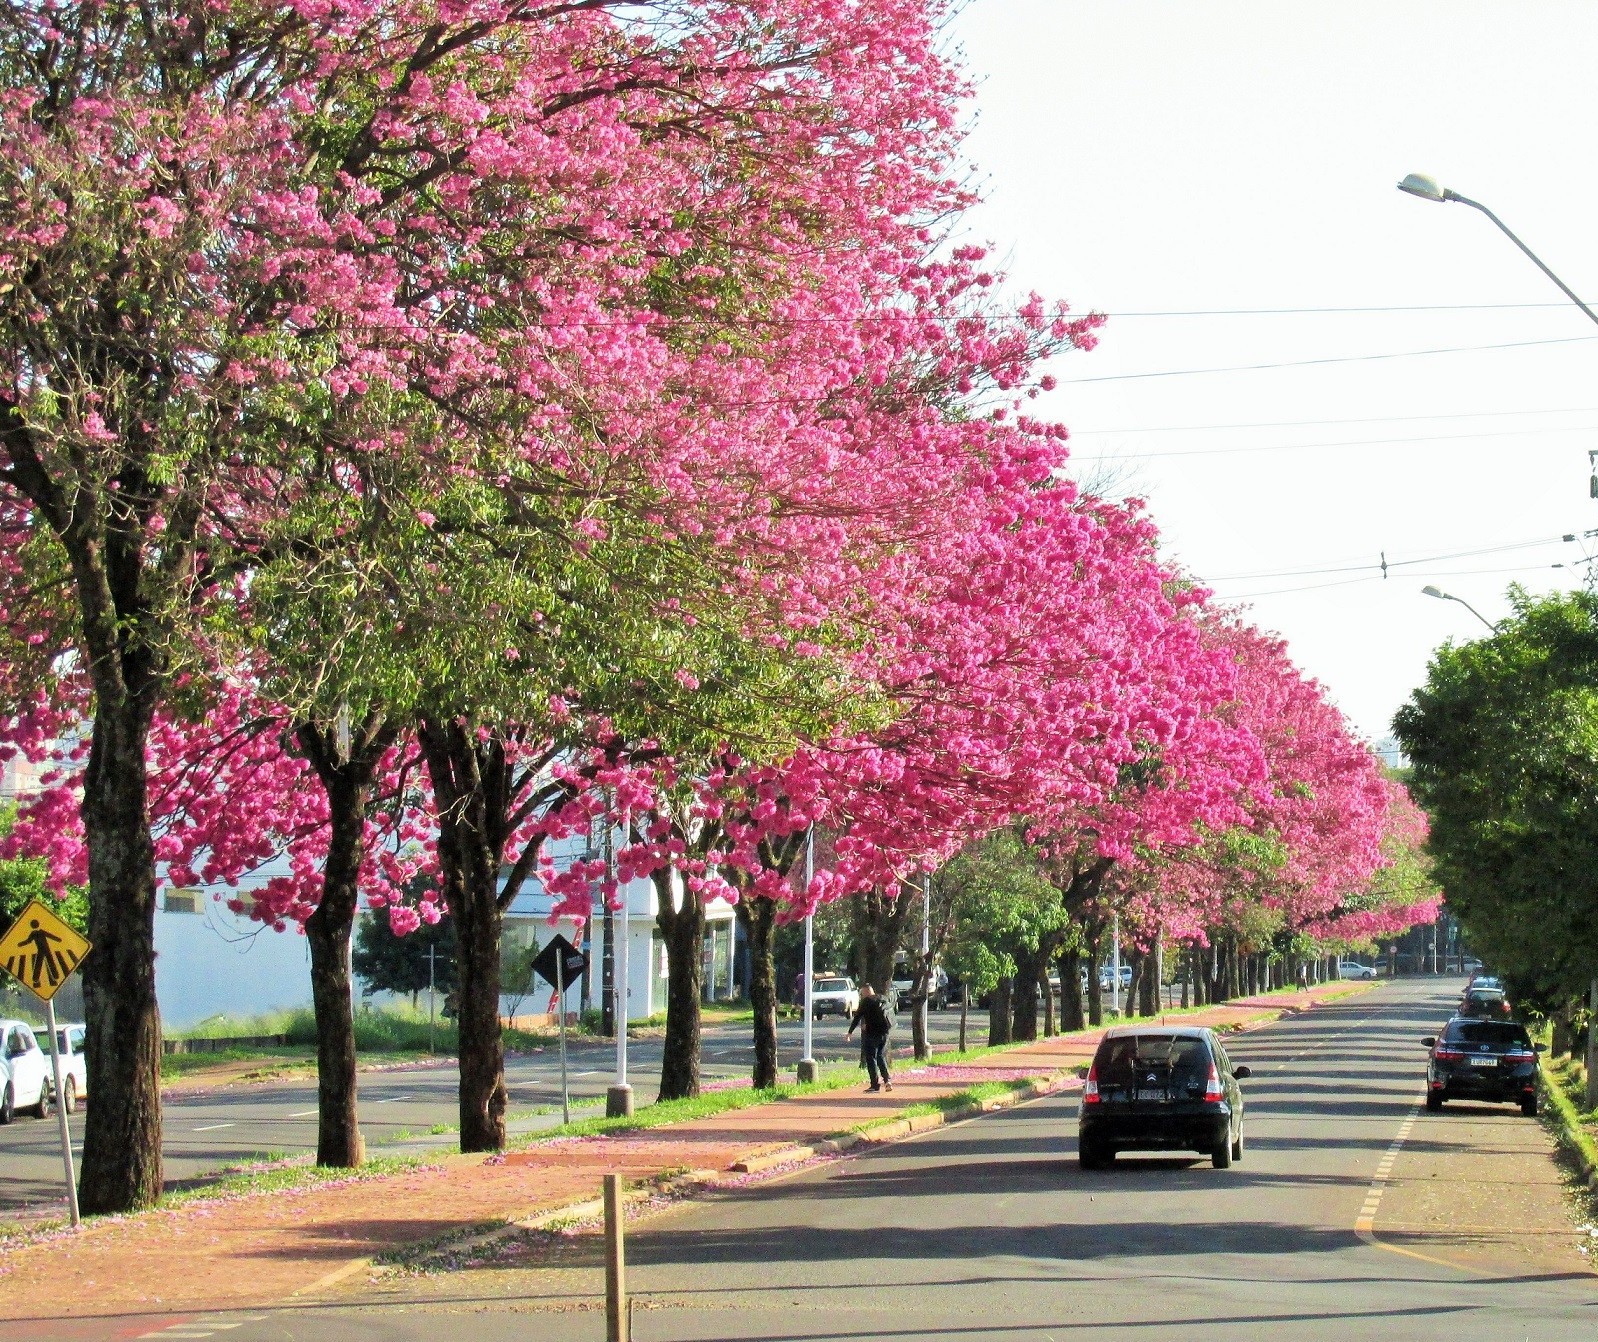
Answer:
[(1365, 1222)]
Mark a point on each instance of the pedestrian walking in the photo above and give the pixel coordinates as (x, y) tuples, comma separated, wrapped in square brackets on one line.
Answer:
[(875, 1024)]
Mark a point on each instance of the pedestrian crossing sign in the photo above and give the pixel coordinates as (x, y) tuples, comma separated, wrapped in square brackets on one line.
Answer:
[(40, 951)]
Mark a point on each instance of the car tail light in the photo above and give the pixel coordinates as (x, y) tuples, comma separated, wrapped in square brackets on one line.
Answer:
[(1520, 1055), (1212, 1087), (1448, 1054), (1090, 1091)]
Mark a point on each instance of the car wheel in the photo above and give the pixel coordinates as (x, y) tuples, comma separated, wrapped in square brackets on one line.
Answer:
[(1434, 1100), (1528, 1106), (42, 1108), (69, 1095), (6, 1110), (1221, 1157), (1237, 1146)]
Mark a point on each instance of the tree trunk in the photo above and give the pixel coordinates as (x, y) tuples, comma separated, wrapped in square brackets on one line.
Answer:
[(1071, 1016), (1095, 989), (1050, 1025), (682, 931), (999, 1013), (877, 920), (347, 783), (121, 1169), (965, 1002), (1592, 1046), (1147, 993), (470, 777), (758, 917), (1024, 998)]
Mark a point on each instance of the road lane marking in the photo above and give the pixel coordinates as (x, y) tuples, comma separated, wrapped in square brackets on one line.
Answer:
[(212, 1127), (1365, 1222), (306, 1113), (391, 1099)]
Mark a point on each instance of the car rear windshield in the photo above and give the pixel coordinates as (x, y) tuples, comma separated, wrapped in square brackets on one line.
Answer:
[(1166, 1056), (831, 985), (1500, 1034)]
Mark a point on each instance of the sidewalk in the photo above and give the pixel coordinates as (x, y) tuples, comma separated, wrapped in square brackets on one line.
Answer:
[(263, 1248)]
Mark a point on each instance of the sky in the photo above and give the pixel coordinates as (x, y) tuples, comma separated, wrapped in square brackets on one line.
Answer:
[(1239, 161)]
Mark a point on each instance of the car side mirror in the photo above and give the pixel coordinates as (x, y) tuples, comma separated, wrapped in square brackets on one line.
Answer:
[(1242, 1072), (1541, 1048), (1430, 1041)]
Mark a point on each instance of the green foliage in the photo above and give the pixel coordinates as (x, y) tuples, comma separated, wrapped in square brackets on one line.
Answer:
[(999, 902), (25, 878), (1503, 738), (384, 962)]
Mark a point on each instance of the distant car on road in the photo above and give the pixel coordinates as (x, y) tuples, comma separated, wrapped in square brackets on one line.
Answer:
[(1352, 969), (24, 1072), (1161, 1090), (74, 1068), (835, 996), (904, 987), (1492, 1060), (1482, 983), (1107, 977), (1485, 1003)]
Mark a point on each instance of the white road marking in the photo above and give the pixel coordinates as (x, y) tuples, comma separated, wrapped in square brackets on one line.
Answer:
[(306, 1113), (391, 1099), (212, 1127)]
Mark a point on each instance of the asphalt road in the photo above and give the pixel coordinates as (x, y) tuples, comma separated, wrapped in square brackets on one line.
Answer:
[(207, 1131), (1353, 1214)]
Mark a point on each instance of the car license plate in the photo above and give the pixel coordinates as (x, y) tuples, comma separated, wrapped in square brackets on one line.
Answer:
[(1151, 1096), (1484, 1062)]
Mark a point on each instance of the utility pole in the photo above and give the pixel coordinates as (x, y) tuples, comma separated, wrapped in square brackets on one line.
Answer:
[(807, 1063), (619, 1098)]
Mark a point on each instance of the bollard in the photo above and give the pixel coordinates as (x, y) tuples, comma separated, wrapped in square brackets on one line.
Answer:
[(617, 1313)]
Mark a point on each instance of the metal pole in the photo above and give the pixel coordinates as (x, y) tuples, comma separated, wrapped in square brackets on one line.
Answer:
[(1535, 259), (432, 980), (565, 1096), (619, 1099), (1115, 966), (807, 1063), (616, 1329), (926, 967), (61, 1114)]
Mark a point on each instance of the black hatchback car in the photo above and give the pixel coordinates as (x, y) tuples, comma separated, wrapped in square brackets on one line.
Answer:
[(1476, 1059), (1161, 1090)]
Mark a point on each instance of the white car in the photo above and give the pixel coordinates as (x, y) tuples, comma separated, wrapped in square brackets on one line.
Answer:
[(24, 1071), (834, 996), (1352, 969), (74, 1069)]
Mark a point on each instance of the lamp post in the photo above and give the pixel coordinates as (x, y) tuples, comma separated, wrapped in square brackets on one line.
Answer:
[(619, 1097), (807, 1064), (1418, 184), (1449, 596)]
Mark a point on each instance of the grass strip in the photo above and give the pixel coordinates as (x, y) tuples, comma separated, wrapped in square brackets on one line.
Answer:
[(1564, 1089), (972, 1097)]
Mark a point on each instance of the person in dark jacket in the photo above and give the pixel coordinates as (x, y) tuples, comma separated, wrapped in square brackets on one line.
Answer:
[(875, 1025)]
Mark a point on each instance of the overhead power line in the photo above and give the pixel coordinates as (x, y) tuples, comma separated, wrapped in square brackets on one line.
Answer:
[(1382, 566), (1334, 359), (1316, 423), (1346, 442)]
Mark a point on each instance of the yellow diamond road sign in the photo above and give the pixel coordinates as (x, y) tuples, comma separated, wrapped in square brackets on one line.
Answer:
[(41, 951)]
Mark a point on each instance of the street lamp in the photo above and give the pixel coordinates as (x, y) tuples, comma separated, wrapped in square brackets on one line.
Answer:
[(1418, 184), (1448, 596)]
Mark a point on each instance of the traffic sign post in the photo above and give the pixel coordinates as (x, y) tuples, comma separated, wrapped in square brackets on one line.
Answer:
[(560, 964), (40, 952)]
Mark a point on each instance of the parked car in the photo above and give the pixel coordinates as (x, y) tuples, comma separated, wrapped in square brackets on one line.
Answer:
[(24, 1072), (1482, 983), (1492, 1060), (903, 988), (1161, 1090), (1472, 967), (834, 996), (1107, 977), (74, 1068), (1352, 969)]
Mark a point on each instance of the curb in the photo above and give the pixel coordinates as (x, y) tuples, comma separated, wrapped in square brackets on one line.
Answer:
[(891, 1129)]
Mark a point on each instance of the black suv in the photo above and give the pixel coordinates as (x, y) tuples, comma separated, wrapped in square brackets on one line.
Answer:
[(1161, 1090), (1477, 1059)]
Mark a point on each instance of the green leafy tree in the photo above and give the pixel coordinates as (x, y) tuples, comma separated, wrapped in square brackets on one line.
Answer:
[(387, 963), (1503, 737)]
